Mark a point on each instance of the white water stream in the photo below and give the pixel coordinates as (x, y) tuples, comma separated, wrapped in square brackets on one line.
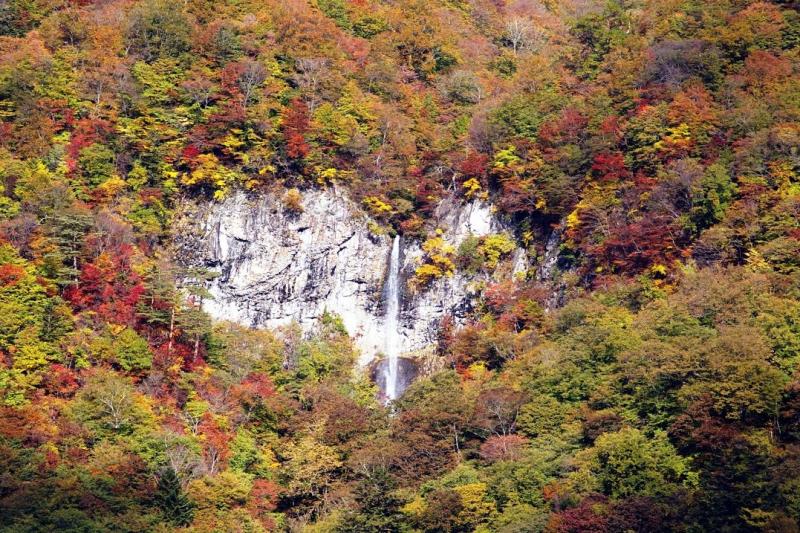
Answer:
[(391, 373)]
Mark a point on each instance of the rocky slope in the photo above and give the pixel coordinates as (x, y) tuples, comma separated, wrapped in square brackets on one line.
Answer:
[(276, 266)]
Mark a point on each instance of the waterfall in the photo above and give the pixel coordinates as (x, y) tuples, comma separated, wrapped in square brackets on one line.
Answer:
[(392, 324)]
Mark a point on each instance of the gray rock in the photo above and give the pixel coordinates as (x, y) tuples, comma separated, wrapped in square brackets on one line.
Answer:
[(276, 267)]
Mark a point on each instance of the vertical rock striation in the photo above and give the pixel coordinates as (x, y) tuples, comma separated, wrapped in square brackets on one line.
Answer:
[(275, 266)]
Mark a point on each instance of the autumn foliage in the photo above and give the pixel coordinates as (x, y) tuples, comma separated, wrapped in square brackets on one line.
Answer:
[(629, 359)]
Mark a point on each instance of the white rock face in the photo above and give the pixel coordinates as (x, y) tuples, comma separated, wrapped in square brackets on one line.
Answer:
[(276, 267), (460, 221)]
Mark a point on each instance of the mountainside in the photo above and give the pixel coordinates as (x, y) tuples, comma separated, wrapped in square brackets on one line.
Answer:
[(413, 266)]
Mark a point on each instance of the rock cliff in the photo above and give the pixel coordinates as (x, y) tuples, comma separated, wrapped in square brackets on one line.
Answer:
[(277, 266)]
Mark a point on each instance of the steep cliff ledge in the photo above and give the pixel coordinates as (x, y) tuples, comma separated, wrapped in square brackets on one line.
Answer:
[(277, 265)]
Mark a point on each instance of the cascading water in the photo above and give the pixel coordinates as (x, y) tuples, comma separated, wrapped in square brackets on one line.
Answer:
[(391, 375)]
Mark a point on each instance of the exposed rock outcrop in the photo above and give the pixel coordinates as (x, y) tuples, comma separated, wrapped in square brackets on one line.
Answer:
[(277, 266)]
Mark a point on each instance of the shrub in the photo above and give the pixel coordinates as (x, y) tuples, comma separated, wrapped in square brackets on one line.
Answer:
[(494, 247), (377, 207), (293, 201), (484, 253), (437, 262)]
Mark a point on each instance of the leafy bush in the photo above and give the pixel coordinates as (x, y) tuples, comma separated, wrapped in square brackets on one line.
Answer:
[(484, 253), (436, 263)]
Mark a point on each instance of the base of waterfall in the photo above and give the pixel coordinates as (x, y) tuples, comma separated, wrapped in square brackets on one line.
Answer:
[(407, 371)]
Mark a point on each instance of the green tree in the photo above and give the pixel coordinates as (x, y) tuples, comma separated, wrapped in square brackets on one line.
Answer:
[(132, 351), (171, 499), (629, 463), (158, 28), (66, 230), (336, 10), (711, 197), (97, 164), (109, 406)]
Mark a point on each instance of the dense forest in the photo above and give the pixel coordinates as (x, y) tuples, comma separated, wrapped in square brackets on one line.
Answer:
[(661, 138)]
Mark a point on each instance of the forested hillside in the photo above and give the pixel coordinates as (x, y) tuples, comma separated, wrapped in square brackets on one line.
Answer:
[(654, 385)]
